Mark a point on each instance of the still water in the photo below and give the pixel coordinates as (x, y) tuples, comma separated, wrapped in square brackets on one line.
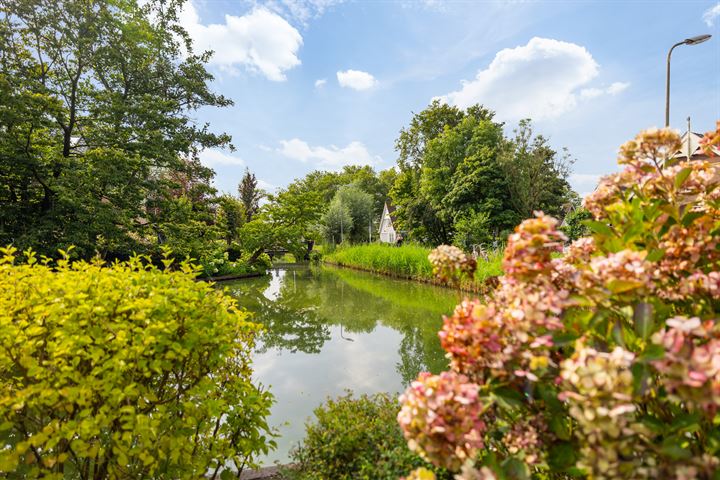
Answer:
[(329, 330)]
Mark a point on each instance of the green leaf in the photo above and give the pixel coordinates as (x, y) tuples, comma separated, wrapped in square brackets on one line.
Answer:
[(644, 319), (652, 352), (508, 398), (562, 456), (515, 469), (681, 176), (599, 227), (672, 449), (560, 425), (655, 255)]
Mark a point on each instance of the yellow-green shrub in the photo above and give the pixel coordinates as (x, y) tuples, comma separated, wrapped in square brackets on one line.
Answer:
[(124, 371)]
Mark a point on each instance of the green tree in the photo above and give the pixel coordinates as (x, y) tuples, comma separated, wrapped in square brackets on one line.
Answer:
[(337, 222), (539, 174), (98, 99), (250, 194), (286, 221)]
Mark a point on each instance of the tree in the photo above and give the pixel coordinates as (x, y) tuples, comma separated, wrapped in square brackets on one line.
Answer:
[(250, 194), (349, 215), (539, 175), (337, 222), (449, 170), (99, 108), (286, 221)]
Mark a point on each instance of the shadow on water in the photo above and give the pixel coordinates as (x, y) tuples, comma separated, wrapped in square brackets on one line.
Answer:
[(328, 330)]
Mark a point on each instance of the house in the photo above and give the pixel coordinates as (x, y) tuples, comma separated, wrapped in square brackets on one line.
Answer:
[(388, 234), (691, 148)]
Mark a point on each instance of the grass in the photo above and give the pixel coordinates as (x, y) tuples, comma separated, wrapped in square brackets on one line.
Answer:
[(408, 261)]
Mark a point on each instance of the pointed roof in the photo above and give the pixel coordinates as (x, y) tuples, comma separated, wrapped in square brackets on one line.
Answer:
[(691, 144)]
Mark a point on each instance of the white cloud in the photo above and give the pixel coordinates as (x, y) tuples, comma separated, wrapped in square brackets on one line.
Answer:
[(320, 83), (212, 158), (613, 89), (260, 41), (537, 80), (356, 79), (302, 10), (332, 157), (711, 14)]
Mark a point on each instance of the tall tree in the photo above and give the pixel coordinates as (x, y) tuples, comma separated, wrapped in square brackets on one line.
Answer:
[(353, 203), (250, 194), (100, 98), (539, 174)]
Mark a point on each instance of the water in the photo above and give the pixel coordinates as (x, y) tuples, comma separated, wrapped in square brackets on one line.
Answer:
[(332, 330)]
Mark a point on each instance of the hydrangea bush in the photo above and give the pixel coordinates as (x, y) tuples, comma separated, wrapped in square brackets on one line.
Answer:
[(597, 359)]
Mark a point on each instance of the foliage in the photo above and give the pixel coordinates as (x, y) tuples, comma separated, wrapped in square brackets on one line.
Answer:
[(600, 362), (98, 100), (286, 221), (250, 194), (462, 181), (349, 215), (574, 225), (124, 371), (408, 260), (231, 217), (355, 438), (539, 176)]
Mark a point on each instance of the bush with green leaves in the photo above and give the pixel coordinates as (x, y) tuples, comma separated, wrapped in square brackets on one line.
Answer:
[(124, 371), (355, 438)]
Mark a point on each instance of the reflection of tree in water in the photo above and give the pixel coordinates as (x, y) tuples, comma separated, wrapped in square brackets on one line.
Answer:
[(417, 355), (290, 321), (309, 301)]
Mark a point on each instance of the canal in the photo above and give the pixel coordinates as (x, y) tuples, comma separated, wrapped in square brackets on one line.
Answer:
[(330, 330)]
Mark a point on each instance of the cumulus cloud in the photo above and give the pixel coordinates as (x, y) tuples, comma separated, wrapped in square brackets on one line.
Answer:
[(320, 83), (260, 41), (356, 79), (538, 80), (613, 89), (212, 158), (331, 157), (711, 14)]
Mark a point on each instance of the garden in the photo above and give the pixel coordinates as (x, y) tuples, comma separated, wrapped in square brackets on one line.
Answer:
[(155, 326)]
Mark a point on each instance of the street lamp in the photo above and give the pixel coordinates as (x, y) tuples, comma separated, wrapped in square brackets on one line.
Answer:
[(687, 41)]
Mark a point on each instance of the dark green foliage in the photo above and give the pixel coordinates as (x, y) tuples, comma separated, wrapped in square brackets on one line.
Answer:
[(574, 226), (96, 121), (459, 174), (356, 438), (250, 194)]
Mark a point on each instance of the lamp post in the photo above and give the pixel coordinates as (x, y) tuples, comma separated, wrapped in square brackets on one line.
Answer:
[(688, 41)]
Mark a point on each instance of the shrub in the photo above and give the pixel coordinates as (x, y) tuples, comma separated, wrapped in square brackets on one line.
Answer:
[(601, 362), (124, 371), (355, 438)]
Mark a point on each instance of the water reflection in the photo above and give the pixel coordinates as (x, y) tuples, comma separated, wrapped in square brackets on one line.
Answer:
[(328, 330)]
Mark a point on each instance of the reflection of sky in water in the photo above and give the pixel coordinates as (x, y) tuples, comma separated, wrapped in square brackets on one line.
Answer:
[(301, 381), (329, 331)]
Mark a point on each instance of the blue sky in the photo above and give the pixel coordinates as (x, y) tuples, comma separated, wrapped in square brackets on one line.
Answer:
[(318, 84)]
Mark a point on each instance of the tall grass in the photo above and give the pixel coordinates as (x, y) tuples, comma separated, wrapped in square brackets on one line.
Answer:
[(408, 260)]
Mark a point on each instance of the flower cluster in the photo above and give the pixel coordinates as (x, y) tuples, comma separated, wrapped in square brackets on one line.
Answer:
[(529, 250), (450, 264), (691, 365), (599, 388), (639, 392), (525, 439), (440, 417)]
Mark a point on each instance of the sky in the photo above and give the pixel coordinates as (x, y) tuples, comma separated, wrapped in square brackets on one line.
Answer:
[(319, 84)]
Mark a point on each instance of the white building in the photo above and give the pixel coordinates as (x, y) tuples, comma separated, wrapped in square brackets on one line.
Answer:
[(388, 233)]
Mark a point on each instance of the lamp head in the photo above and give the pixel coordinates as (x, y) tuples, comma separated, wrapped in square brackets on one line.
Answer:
[(697, 39)]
